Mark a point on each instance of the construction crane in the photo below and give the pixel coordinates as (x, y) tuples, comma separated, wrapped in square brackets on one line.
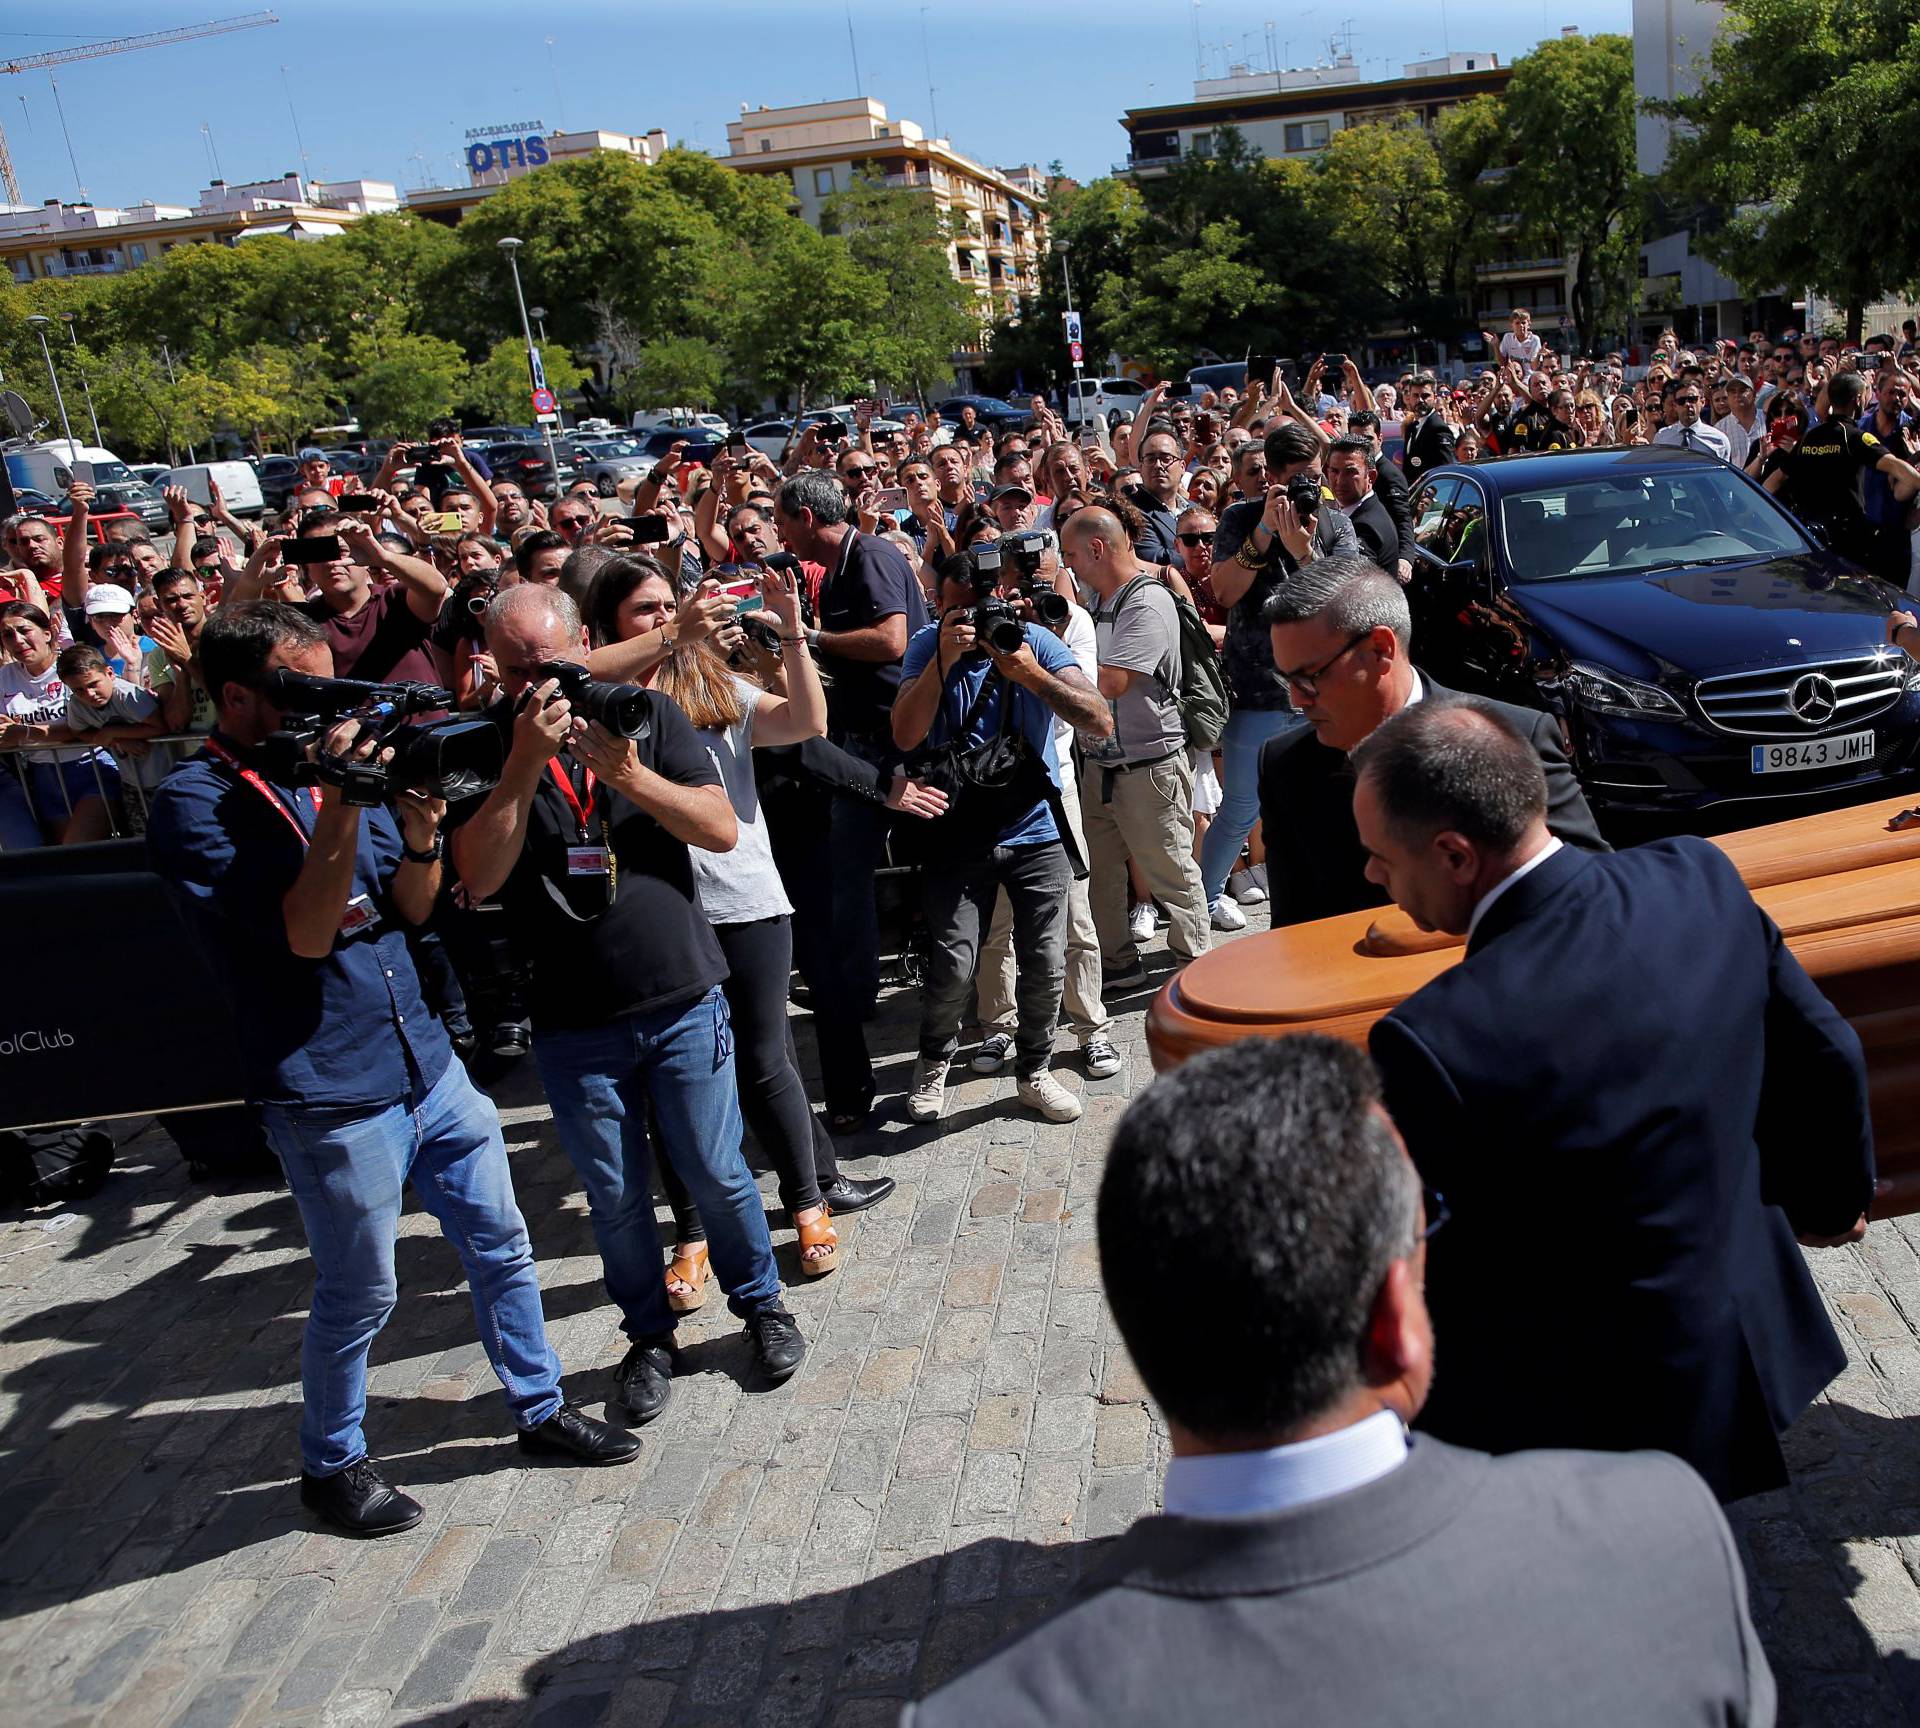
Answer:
[(117, 45)]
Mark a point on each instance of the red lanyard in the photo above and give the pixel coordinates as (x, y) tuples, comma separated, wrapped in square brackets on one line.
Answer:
[(572, 797), (253, 779)]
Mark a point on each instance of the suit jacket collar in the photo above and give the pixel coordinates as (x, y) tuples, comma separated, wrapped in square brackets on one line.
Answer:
[(1530, 893), (1325, 1539)]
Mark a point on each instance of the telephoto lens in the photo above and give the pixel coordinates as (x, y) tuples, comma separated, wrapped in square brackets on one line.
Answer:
[(621, 708)]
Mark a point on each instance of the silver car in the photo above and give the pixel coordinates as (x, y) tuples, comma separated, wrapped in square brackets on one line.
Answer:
[(606, 462)]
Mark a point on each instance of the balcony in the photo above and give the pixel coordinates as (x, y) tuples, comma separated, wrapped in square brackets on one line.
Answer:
[(1518, 266)]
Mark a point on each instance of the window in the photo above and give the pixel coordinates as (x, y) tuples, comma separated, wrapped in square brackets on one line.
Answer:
[(766, 144), (1201, 145), (822, 182), (137, 252), (23, 269), (1307, 135)]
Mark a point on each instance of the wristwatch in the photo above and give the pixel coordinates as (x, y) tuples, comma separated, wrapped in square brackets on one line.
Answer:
[(430, 856)]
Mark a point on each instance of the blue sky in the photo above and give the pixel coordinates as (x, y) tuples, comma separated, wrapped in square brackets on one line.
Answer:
[(388, 91)]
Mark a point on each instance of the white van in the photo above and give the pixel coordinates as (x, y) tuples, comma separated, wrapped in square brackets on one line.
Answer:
[(1102, 400), (239, 485), (48, 468)]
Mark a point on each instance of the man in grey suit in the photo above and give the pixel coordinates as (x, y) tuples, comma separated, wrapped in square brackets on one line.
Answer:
[(1315, 1564)]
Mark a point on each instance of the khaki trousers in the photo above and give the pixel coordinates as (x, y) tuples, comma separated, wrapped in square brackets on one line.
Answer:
[(1145, 814)]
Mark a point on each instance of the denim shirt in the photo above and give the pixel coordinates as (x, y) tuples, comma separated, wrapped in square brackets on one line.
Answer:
[(348, 1033)]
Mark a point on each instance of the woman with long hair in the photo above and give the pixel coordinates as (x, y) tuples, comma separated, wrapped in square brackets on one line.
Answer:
[(742, 896)]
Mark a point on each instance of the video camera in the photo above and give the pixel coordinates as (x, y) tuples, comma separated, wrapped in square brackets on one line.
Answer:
[(442, 758), (995, 620), (621, 708)]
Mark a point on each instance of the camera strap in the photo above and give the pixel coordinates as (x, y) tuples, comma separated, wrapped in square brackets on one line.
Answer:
[(565, 782), (258, 782)]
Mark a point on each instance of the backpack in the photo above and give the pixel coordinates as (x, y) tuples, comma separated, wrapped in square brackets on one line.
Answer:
[(1201, 696)]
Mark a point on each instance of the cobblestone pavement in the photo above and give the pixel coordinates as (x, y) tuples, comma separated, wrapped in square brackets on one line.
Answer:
[(965, 1430)]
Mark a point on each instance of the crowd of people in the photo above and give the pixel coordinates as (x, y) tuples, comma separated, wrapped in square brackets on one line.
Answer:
[(1072, 686)]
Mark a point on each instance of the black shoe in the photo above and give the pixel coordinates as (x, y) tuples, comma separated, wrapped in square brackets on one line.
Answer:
[(567, 1433), (857, 1193), (511, 1038), (360, 1500), (776, 1341), (1132, 977), (643, 1382), (463, 1039)]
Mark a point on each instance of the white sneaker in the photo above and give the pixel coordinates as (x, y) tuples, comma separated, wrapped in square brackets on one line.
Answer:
[(1227, 916), (929, 1092), (1050, 1098), (1101, 1058), (1140, 923), (992, 1055), (1245, 888), (1259, 874)]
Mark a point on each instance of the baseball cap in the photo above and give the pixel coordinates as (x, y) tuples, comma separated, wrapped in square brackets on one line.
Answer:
[(1013, 489), (108, 597), (312, 453)]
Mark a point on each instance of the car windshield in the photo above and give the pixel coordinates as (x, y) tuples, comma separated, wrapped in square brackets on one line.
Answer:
[(114, 474), (1620, 524), (618, 447)]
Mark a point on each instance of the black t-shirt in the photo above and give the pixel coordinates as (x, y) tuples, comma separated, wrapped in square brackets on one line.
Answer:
[(1828, 472), (642, 946), (1252, 679), (873, 580)]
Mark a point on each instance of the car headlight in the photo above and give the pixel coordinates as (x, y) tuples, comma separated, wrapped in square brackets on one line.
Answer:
[(1612, 693), (1913, 677)]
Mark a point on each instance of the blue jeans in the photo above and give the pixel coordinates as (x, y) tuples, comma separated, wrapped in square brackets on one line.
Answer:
[(1247, 730), (51, 792), (600, 1082), (347, 1173)]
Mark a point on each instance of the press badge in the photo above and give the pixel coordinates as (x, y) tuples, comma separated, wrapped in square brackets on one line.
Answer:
[(359, 915), (589, 861)]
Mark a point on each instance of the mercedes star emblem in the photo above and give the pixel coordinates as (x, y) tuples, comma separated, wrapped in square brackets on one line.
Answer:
[(1814, 699)]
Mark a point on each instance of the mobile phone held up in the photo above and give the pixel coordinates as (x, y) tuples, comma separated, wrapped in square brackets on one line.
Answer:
[(319, 549), (650, 530)]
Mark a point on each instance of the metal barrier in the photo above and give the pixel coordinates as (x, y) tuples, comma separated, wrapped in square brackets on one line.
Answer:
[(122, 797)]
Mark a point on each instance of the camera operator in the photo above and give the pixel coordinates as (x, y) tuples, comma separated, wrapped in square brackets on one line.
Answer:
[(1259, 545), (585, 841), (306, 896), (980, 683)]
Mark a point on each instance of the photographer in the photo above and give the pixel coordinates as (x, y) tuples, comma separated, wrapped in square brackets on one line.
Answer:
[(984, 686), (1259, 545), (305, 895), (585, 841)]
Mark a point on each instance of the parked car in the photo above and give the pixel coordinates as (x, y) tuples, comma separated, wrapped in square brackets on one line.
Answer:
[(1107, 399), (278, 477), (528, 464), (147, 473), (355, 464), (990, 410), (701, 444), (48, 468), (239, 485), (608, 461), (679, 420), (1696, 642)]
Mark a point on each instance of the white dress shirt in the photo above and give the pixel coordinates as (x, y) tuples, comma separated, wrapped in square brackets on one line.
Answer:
[(1553, 845), (1258, 1484), (1740, 439), (1698, 436)]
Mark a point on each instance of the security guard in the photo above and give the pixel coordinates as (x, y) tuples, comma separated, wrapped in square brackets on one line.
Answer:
[(1828, 471)]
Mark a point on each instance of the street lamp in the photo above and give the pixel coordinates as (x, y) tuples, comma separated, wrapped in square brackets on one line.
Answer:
[(539, 316), (39, 322), (511, 247), (86, 389), (1063, 247)]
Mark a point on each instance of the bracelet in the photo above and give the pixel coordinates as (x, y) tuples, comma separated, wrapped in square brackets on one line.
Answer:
[(430, 856)]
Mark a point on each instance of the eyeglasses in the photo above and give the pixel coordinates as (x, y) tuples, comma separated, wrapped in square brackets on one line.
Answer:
[(1307, 680), (866, 473), (1438, 1212), (1160, 458), (1195, 539)]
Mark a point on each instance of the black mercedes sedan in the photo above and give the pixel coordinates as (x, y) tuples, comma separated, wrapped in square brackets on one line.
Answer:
[(1697, 642)]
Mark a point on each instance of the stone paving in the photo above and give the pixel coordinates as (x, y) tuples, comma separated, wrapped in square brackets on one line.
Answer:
[(965, 1432)]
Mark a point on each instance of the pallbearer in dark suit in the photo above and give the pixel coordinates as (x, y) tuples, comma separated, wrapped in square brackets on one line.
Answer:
[(1349, 620), (1634, 1099), (1316, 1564), (1429, 437)]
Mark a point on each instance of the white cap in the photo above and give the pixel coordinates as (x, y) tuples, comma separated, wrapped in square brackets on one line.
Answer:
[(108, 597)]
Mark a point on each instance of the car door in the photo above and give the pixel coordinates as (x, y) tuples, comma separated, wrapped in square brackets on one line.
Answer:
[(1455, 634)]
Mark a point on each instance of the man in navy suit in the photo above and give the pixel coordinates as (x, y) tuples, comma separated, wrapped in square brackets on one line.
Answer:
[(1633, 1098)]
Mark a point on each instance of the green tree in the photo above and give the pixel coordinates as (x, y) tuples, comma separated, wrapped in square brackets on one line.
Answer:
[(804, 324), (1384, 189), (400, 382), (900, 236), (674, 372), (1571, 179), (1798, 143), (500, 388), (1162, 313)]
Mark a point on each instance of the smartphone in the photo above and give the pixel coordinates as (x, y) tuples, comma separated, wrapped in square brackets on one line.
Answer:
[(82, 473), (359, 503), (830, 429), (892, 498), (735, 441), (336, 484), (1332, 363), (650, 530), (1260, 368), (445, 522), (744, 595), (320, 549), (195, 482)]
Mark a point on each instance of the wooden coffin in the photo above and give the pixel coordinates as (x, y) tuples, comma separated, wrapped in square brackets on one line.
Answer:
[(1844, 890)]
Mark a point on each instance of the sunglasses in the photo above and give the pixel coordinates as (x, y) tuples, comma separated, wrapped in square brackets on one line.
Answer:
[(858, 473), (1196, 539)]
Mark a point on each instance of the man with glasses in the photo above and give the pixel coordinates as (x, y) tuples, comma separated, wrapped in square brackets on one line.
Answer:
[(1163, 465), (1689, 431), (1341, 632), (1629, 1048), (1299, 1522)]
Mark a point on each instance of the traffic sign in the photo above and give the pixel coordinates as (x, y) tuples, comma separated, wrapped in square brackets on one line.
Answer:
[(1073, 331), (543, 401), (1074, 353)]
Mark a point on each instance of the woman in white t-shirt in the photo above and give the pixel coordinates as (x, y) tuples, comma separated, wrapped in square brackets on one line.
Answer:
[(48, 796)]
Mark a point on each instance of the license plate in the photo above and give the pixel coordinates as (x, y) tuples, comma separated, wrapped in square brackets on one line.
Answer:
[(1813, 753)]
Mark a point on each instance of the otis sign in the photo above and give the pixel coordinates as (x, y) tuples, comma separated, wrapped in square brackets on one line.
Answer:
[(519, 145)]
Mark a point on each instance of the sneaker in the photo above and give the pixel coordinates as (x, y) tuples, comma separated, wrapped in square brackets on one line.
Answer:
[(992, 1055), (929, 1092), (1227, 916), (1140, 924), (1044, 1093), (1131, 977), (1245, 888), (1259, 874), (1101, 1058)]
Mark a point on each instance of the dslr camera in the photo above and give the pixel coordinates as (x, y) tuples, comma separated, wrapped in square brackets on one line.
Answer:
[(621, 708), (1019, 554), (1303, 493), (451, 758)]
